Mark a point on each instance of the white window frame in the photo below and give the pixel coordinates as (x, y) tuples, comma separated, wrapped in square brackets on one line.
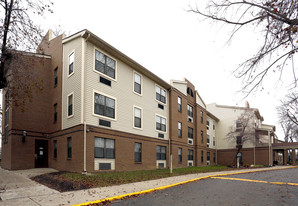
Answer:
[(156, 85), (101, 116), (73, 66), (133, 85), (180, 123), (160, 131), (133, 114), (179, 98), (72, 93), (102, 74), (189, 117)]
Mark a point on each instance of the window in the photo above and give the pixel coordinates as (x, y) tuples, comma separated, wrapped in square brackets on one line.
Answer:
[(179, 129), (160, 94), (104, 148), (69, 148), (208, 139), (160, 123), (238, 124), (208, 124), (161, 153), (105, 64), (137, 117), (202, 136), (202, 156), (56, 76), (208, 156), (214, 157), (70, 105), (179, 155), (179, 104), (213, 141), (55, 149), (238, 140), (213, 125), (6, 114), (190, 154), (190, 112), (202, 119), (138, 152), (190, 132), (70, 63), (137, 83), (55, 113), (189, 91), (104, 106)]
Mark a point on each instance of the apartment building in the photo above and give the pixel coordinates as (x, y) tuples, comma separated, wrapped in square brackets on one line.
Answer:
[(100, 110), (256, 150)]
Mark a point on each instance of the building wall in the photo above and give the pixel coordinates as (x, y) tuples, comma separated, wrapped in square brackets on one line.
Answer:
[(72, 83), (124, 150), (228, 117), (53, 47), (122, 90), (227, 156), (212, 132)]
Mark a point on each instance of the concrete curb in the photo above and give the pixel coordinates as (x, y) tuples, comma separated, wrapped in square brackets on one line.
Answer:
[(125, 196)]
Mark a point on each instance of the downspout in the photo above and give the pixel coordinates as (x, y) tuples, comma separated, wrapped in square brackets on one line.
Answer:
[(269, 141), (170, 132), (83, 103)]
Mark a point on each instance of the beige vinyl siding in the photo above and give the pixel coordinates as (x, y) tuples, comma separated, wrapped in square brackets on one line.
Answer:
[(72, 83), (228, 117), (122, 90)]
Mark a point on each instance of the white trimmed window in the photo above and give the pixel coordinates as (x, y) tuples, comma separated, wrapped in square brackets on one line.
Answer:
[(104, 106), (137, 117), (160, 123), (70, 105), (179, 104), (179, 129), (160, 94), (137, 83), (70, 63), (105, 64)]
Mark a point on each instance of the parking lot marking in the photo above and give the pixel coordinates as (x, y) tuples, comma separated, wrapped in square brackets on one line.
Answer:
[(259, 181), (109, 199)]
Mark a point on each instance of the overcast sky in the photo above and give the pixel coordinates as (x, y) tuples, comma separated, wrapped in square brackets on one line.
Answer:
[(172, 43)]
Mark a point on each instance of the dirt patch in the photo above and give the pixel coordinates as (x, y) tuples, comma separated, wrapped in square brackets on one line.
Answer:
[(56, 181)]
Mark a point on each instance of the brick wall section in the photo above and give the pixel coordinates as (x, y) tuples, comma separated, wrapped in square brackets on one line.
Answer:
[(227, 157), (36, 112), (55, 49)]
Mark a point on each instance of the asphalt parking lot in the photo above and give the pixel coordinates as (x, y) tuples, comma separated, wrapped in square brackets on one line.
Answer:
[(278, 187)]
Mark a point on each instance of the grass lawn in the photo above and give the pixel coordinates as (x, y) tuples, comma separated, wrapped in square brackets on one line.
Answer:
[(115, 178)]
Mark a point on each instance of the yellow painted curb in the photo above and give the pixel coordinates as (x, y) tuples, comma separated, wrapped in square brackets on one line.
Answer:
[(176, 184)]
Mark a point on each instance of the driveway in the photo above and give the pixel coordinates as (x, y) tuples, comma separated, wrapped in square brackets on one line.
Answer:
[(17, 189)]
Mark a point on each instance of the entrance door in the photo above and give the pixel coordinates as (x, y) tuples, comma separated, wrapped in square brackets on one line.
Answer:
[(41, 153)]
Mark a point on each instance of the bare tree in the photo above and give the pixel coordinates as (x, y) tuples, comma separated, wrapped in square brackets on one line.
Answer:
[(288, 116), (243, 131), (278, 20), (18, 32)]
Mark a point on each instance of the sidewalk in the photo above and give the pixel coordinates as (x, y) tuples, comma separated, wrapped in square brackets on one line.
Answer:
[(23, 191)]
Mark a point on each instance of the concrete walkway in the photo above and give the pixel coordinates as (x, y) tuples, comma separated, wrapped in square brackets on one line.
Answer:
[(17, 189)]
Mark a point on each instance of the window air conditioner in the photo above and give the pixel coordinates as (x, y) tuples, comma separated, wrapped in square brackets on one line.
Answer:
[(105, 166)]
